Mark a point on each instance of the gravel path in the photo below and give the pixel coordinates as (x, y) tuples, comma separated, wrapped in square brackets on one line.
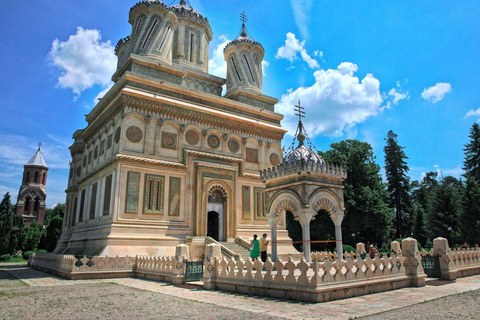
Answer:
[(101, 301), (459, 306)]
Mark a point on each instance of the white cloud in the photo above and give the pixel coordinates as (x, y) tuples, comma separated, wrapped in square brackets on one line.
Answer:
[(101, 94), (473, 113), (335, 103), (437, 92), (292, 47), (265, 65), (83, 60), (397, 95), (301, 13), (217, 65)]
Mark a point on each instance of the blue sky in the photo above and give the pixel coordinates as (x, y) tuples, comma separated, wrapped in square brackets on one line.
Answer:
[(361, 68)]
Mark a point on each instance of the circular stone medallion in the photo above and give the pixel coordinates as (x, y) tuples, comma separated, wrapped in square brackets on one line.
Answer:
[(213, 141), (233, 145), (169, 140), (274, 159), (192, 137), (117, 135), (134, 134)]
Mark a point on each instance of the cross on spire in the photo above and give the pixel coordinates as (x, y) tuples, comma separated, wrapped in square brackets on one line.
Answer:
[(244, 19), (299, 111), (39, 145)]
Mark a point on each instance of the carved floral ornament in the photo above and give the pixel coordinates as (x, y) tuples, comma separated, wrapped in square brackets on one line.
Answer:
[(324, 204), (285, 204), (213, 141), (217, 189)]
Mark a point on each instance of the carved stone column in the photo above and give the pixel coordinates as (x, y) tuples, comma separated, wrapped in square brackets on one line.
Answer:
[(273, 222), (304, 218), (337, 220)]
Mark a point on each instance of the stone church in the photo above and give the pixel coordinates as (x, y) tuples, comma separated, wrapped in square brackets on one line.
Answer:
[(166, 159)]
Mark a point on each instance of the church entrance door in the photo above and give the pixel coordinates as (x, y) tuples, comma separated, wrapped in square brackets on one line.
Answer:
[(216, 216), (212, 225)]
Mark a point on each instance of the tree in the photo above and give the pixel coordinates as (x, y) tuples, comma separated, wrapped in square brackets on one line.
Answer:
[(18, 235), (398, 184), (33, 237), (54, 231), (471, 164), (443, 220), (470, 216), (6, 223), (367, 212), (57, 210)]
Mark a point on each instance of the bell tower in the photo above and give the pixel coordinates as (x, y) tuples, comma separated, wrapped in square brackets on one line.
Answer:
[(33, 192), (244, 58)]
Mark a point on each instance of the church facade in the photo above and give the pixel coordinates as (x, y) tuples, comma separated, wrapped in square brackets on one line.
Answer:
[(166, 159)]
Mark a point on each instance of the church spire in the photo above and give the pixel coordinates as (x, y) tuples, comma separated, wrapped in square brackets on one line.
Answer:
[(244, 19), (301, 114)]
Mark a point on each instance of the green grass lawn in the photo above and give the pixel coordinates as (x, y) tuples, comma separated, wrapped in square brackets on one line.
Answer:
[(15, 259)]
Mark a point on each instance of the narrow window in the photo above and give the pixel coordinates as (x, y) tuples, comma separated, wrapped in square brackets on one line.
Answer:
[(35, 178), (149, 33), (108, 191), (44, 177), (36, 205), (164, 38), (192, 47), (93, 201), (27, 179), (74, 213), (133, 188), (26, 207), (248, 65), (82, 205), (154, 186), (235, 67)]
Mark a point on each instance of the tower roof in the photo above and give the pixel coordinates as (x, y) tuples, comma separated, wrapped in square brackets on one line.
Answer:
[(302, 151), (244, 36), (37, 159)]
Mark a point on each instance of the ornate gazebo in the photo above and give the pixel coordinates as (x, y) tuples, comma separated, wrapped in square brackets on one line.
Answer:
[(303, 183)]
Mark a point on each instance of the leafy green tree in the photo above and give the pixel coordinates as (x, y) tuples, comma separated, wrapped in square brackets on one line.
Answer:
[(6, 224), (367, 212), (398, 184), (34, 234), (470, 216), (322, 228), (17, 235), (57, 210), (443, 220), (471, 164), (54, 231)]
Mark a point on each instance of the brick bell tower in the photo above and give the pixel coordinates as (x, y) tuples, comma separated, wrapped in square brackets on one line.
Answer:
[(33, 192)]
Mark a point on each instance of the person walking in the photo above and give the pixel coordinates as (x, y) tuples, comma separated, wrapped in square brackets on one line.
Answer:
[(254, 248), (263, 247)]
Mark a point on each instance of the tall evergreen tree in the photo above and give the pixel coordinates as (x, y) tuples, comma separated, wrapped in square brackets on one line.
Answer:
[(470, 217), (443, 220), (471, 164), (6, 223), (398, 184), (367, 213), (54, 231)]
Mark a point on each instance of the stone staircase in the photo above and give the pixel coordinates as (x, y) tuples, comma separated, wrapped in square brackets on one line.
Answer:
[(237, 248)]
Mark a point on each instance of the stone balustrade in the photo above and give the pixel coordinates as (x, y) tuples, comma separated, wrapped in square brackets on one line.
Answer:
[(286, 168), (169, 269), (326, 278)]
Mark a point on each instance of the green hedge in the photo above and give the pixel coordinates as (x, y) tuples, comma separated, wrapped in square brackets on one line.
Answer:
[(348, 248), (5, 257), (26, 254), (41, 251)]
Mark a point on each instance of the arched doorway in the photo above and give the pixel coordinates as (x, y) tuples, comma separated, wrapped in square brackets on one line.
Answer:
[(216, 213)]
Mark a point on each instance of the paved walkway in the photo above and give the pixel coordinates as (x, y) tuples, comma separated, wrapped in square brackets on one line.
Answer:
[(340, 309)]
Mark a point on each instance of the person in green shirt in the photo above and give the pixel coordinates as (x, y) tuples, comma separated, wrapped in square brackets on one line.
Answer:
[(254, 248)]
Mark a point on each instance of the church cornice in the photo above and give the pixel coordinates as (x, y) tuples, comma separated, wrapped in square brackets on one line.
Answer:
[(169, 108)]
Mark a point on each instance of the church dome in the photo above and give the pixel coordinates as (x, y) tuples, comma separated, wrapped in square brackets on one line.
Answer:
[(302, 151)]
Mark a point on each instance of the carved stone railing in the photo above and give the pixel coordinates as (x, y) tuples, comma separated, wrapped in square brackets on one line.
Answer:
[(311, 281), (286, 168), (169, 269)]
